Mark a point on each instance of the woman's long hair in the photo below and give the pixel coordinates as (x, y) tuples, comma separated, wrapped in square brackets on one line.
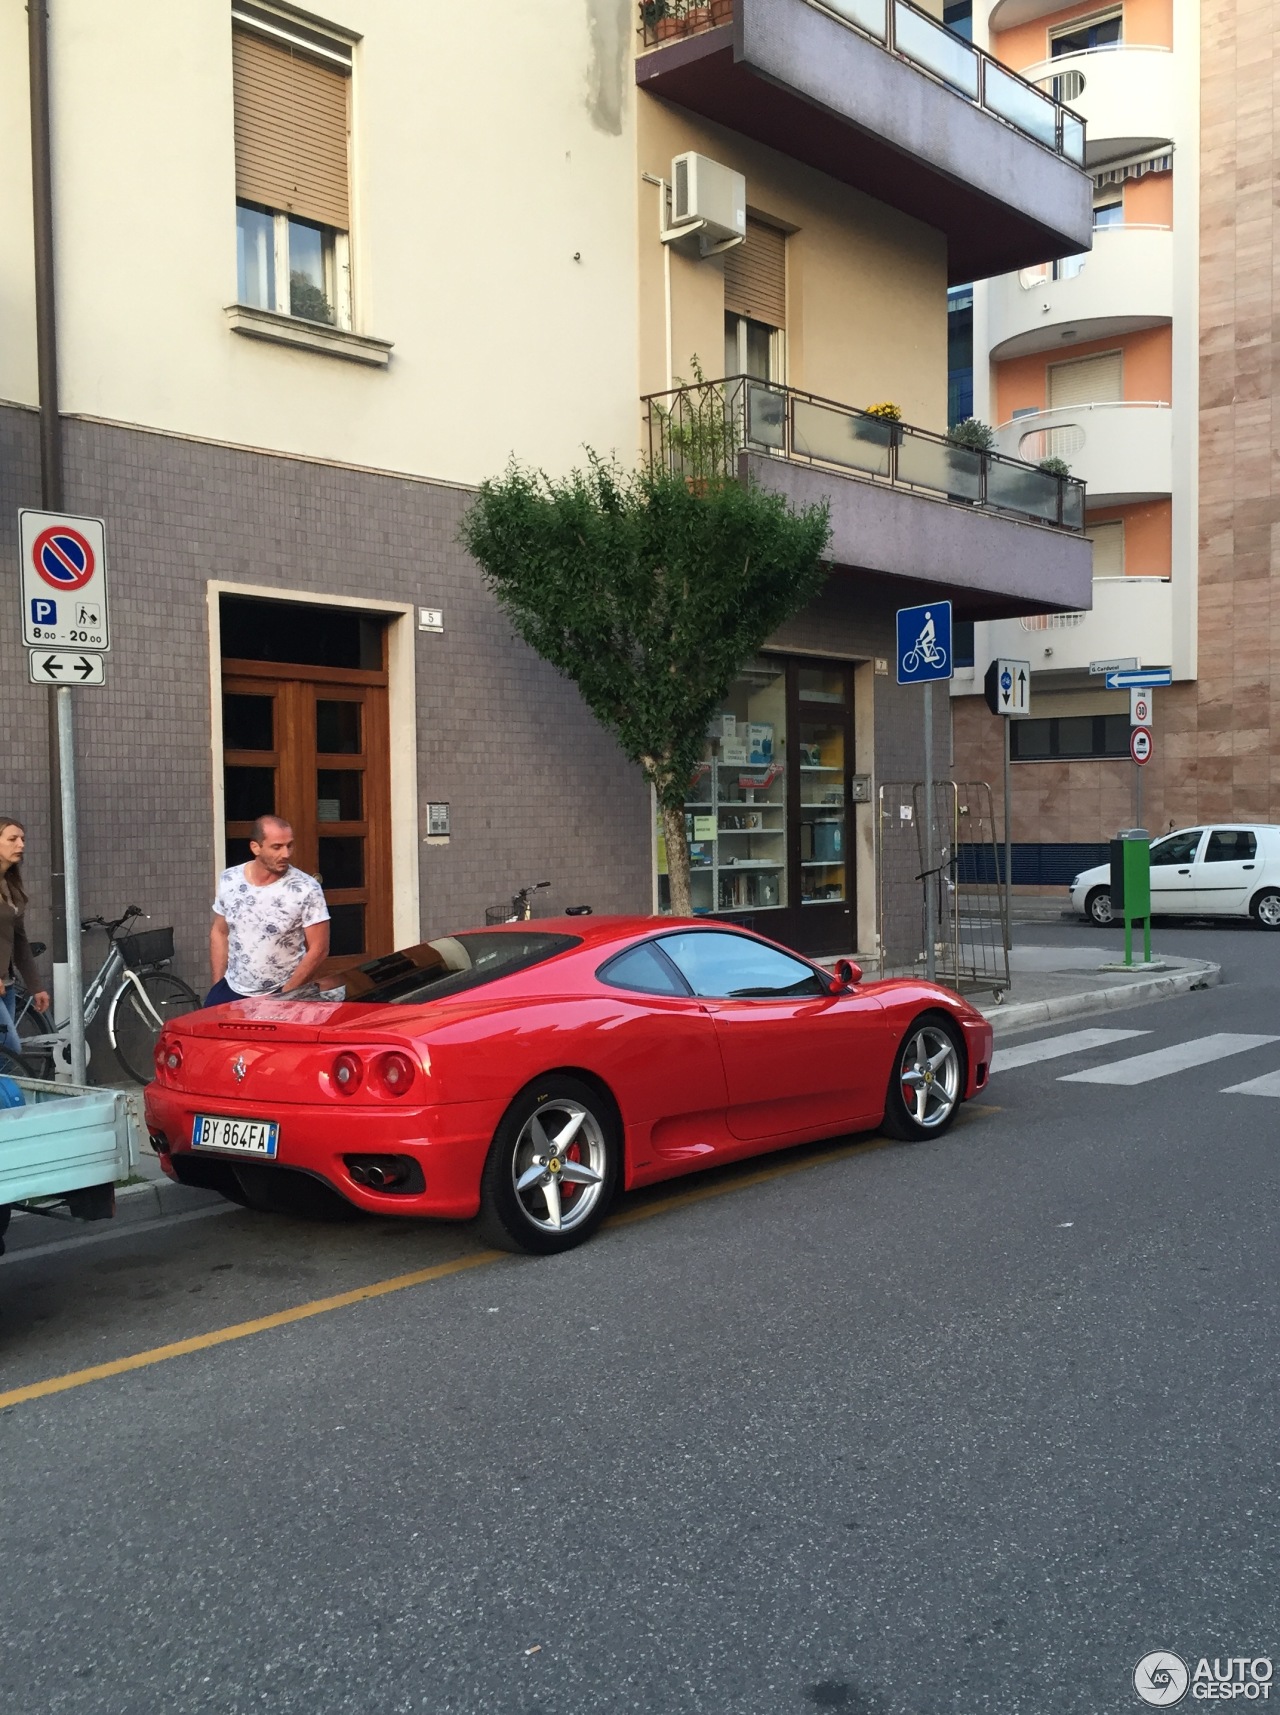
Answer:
[(12, 877)]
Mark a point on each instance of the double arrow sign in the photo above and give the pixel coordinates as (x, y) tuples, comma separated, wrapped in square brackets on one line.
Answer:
[(1007, 687), (64, 668)]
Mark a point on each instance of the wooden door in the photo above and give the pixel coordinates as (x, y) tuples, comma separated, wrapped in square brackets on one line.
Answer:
[(312, 745)]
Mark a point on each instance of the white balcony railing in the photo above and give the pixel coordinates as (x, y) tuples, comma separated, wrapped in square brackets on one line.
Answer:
[(1121, 449), (1123, 284), (1126, 96), (1130, 617)]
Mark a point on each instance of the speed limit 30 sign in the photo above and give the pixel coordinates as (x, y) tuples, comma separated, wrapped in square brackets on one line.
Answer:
[(1139, 707), (1140, 744)]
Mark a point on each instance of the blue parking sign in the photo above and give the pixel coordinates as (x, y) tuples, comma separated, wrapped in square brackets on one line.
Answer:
[(924, 643)]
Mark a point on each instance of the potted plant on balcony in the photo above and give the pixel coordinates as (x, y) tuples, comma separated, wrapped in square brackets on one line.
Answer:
[(663, 19), (881, 424), (700, 432), (722, 11), (969, 432), (697, 16), (1054, 467)]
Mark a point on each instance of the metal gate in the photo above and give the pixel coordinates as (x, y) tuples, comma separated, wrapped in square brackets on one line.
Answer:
[(970, 931)]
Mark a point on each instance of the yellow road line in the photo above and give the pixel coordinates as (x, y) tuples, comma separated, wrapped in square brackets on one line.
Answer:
[(398, 1283)]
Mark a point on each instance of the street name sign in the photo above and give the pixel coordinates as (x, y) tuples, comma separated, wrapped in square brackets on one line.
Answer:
[(1139, 706), (1140, 744), (65, 668), (1120, 663), (924, 643), (1007, 687), (1141, 676), (64, 581)]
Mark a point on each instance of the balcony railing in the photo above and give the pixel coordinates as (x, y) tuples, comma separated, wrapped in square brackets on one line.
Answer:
[(698, 431), (911, 34)]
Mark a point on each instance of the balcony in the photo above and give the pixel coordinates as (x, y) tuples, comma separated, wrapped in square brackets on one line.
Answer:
[(1123, 284), (878, 94), (1126, 95), (1129, 617), (1001, 536), (1122, 451)]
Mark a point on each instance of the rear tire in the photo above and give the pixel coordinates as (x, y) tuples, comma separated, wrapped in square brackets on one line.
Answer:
[(17, 1066), (135, 1035), (1266, 909), (1098, 908), (552, 1169), (927, 1084), (33, 1023)]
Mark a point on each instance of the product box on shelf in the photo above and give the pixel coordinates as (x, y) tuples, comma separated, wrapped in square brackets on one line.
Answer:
[(733, 752), (760, 741)]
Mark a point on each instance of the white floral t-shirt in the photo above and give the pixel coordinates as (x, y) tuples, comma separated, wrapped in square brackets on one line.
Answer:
[(267, 942)]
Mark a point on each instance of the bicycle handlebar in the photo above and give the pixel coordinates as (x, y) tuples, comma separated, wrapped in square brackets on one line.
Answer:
[(130, 912)]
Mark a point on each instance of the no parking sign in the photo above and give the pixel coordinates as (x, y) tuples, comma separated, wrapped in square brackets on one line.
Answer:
[(64, 581)]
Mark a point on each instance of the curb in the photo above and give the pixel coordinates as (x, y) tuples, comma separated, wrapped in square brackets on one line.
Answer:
[(1197, 974), (158, 1197)]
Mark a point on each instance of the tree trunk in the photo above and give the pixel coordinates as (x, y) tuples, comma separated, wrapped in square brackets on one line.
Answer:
[(677, 860)]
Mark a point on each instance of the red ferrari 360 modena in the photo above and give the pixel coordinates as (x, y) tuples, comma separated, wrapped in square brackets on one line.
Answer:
[(525, 1073)]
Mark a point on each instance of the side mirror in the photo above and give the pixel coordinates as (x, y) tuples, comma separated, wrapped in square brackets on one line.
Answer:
[(845, 975)]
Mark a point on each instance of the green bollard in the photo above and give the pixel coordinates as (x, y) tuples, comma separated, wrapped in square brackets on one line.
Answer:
[(1131, 886)]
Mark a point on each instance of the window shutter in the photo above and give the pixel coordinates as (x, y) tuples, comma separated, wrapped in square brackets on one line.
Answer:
[(755, 276), (291, 131), (1088, 381), (1108, 548)]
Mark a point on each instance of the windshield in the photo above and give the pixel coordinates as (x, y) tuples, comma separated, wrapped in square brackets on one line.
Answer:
[(451, 965)]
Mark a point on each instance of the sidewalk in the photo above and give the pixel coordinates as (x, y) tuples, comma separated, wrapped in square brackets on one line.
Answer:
[(1049, 983)]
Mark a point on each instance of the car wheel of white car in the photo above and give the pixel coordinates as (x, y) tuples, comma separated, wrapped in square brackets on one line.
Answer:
[(1266, 909), (1098, 907)]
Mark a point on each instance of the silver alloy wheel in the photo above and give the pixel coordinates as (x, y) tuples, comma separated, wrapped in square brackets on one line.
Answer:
[(929, 1071), (1269, 911), (1100, 908), (558, 1165)]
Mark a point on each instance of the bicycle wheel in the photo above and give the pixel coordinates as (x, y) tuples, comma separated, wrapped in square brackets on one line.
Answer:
[(15, 1066), (37, 1032), (133, 1030)]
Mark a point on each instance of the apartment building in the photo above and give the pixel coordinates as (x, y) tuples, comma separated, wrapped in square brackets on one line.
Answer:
[(318, 276), (1148, 365)]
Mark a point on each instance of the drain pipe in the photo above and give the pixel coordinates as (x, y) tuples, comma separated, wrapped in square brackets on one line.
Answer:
[(51, 491)]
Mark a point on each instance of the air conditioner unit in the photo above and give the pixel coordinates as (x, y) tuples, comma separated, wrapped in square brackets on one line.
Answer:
[(709, 200)]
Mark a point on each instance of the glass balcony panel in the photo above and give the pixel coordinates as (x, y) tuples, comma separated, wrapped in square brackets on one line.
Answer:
[(766, 418), (1073, 505), (937, 49), (840, 437), (1034, 492), (1021, 106), (1073, 139), (953, 471), (868, 15)]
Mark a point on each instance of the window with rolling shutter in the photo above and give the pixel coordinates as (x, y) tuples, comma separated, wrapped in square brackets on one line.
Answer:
[(1088, 381), (755, 276), (1108, 548), (291, 88)]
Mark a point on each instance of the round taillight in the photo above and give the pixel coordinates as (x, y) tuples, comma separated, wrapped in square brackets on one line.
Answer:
[(348, 1074), (395, 1073), (168, 1057)]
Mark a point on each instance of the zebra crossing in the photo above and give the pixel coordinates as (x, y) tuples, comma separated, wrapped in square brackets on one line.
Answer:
[(1134, 1069)]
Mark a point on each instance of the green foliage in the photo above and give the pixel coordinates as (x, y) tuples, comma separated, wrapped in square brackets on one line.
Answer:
[(307, 300), (647, 592), (1054, 467), (972, 433)]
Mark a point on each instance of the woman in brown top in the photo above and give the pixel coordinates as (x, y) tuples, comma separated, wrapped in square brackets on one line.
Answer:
[(15, 951)]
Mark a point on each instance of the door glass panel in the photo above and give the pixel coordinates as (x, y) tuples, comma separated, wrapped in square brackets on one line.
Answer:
[(1230, 845), (717, 964), (339, 795), (249, 792), (822, 684), (1176, 848), (342, 861), (346, 928), (247, 722), (823, 815), (337, 728)]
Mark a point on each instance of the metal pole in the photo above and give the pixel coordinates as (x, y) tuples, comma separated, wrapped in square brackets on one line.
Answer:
[(75, 976), (1008, 844), (1137, 795), (51, 491), (930, 879)]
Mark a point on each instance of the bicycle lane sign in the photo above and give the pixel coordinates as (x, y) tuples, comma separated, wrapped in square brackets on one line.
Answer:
[(924, 643)]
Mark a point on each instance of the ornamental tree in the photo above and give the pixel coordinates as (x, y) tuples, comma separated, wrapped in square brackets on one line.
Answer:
[(649, 592)]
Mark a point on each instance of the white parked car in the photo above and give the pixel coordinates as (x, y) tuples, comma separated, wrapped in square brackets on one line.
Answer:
[(1229, 870)]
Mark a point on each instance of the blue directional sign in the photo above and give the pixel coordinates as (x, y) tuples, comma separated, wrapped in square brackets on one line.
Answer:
[(924, 643), (1142, 676)]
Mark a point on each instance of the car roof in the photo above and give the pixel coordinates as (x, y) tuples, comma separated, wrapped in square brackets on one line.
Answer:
[(603, 931)]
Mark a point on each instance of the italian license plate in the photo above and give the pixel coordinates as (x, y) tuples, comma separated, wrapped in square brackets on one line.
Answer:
[(246, 1137)]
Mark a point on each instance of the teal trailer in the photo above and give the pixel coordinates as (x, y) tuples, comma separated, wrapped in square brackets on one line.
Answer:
[(65, 1149)]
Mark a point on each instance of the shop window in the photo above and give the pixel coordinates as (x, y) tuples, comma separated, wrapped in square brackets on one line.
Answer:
[(1071, 738)]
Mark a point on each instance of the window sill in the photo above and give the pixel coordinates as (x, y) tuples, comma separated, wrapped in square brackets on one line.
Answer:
[(310, 336)]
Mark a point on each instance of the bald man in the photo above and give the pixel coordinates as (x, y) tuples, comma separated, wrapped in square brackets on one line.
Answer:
[(270, 922)]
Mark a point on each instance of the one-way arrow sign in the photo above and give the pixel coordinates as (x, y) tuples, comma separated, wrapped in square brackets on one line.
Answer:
[(65, 667), (1007, 687)]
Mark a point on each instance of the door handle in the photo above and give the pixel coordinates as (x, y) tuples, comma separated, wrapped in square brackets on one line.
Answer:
[(1247, 866), (1184, 872)]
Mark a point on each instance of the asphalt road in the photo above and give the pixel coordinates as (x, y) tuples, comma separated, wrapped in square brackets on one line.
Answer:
[(966, 1426)]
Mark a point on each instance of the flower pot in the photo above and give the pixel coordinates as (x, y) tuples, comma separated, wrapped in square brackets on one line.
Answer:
[(721, 11), (668, 26), (697, 18)]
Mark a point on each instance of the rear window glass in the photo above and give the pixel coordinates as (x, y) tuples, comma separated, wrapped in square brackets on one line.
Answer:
[(642, 968), (451, 965)]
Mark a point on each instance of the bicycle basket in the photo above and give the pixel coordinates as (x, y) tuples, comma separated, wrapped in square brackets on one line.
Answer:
[(151, 947), (497, 914)]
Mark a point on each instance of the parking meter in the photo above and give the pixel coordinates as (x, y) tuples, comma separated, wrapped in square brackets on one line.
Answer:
[(1131, 886)]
